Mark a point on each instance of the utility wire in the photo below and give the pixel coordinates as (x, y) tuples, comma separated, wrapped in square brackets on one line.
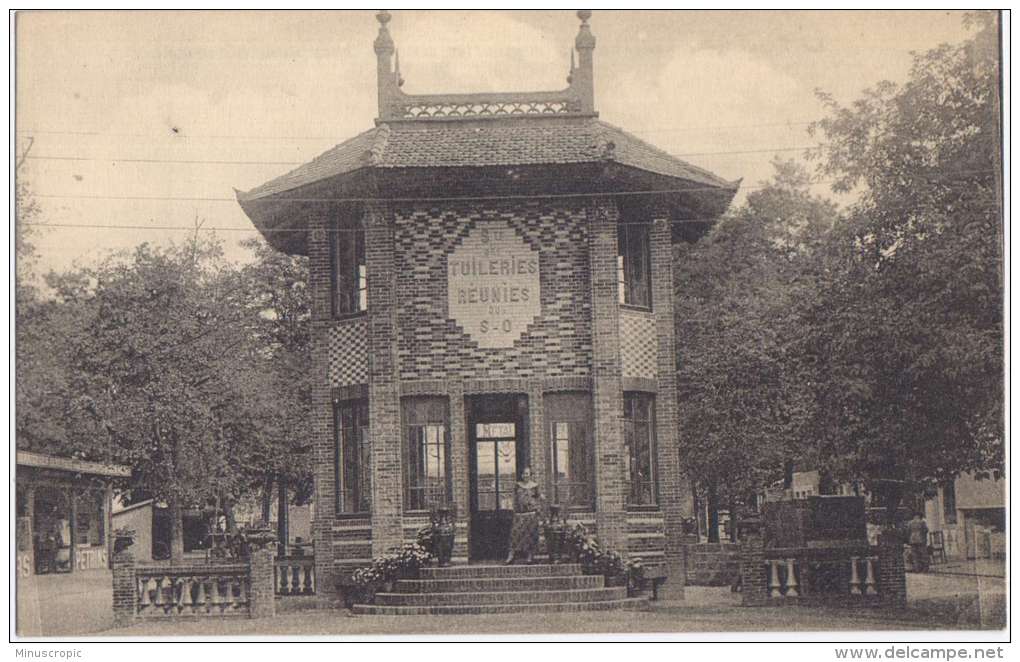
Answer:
[(524, 196), (192, 228), (185, 136), (55, 157)]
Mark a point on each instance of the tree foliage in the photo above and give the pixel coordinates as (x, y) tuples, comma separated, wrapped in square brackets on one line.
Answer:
[(745, 390), (868, 343), (909, 315), (191, 370)]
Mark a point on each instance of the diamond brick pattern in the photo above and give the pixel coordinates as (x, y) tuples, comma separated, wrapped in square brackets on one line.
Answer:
[(557, 343), (348, 353), (638, 344)]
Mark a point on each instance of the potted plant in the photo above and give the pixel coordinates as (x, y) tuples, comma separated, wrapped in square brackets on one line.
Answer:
[(635, 570), (122, 539), (443, 533), (555, 534)]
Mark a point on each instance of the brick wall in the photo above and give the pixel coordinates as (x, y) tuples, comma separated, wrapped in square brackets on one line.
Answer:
[(712, 564), (674, 492), (383, 387), (261, 589), (124, 588), (607, 396), (754, 582), (321, 429), (892, 577), (638, 345), (574, 343), (646, 537), (431, 346)]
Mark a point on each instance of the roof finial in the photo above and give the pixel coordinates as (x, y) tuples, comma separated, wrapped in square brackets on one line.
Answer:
[(383, 43), (582, 78), (387, 79), (585, 39), (396, 68)]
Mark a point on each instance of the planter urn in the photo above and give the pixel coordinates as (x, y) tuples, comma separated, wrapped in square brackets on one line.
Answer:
[(555, 532), (443, 535)]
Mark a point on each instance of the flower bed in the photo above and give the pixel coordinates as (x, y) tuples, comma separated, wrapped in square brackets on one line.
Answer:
[(597, 560), (400, 563)]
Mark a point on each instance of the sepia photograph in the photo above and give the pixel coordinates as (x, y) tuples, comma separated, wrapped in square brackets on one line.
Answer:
[(328, 326)]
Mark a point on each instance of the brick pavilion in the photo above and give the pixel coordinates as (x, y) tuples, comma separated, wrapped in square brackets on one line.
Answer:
[(492, 289)]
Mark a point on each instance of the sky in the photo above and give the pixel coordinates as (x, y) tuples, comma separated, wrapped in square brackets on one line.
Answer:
[(264, 91)]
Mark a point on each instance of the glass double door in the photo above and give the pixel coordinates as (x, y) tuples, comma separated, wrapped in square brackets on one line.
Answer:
[(497, 438)]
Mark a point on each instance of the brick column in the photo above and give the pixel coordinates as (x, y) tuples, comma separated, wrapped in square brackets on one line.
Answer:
[(672, 491), (892, 574), (459, 465), (607, 387), (323, 437), (384, 386), (753, 576), (261, 591), (124, 588), (537, 441)]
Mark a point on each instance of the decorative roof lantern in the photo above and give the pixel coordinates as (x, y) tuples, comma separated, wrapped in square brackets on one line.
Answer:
[(577, 99), (473, 145)]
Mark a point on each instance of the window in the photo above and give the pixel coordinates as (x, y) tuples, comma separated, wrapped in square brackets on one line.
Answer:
[(571, 455), (353, 482), (633, 264), (426, 453), (949, 501), (350, 283), (638, 436)]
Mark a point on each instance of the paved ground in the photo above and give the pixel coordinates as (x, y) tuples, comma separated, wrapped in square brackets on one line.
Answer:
[(65, 604), (936, 602)]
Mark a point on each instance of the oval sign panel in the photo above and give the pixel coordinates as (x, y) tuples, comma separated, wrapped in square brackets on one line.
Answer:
[(493, 284)]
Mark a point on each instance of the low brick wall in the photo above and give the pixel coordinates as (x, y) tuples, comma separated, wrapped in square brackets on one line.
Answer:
[(848, 576), (712, 564), (213, 590)]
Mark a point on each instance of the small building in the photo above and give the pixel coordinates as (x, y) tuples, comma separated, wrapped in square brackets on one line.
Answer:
[(63, 513), (970, 513), (492, 289)]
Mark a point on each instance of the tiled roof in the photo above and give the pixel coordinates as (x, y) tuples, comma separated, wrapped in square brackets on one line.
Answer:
[(487, 143), (346, 157)]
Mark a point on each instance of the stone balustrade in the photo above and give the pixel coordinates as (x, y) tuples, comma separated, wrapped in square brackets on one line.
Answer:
[(193, 590), (244, 589), (853, 575), (294, 575), (797, 577)]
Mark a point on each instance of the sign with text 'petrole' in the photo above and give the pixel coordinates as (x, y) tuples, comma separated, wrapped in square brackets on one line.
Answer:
[(493, 284)]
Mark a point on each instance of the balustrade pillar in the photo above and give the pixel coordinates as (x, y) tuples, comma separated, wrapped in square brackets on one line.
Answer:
[(869, 576), (791, 579), (855, 578), (774, 586)]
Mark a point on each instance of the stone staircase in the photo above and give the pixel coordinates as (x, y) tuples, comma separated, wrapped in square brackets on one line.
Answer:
[(499, 589)]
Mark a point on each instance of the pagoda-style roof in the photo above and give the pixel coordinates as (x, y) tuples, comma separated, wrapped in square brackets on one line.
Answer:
[(471, 146)]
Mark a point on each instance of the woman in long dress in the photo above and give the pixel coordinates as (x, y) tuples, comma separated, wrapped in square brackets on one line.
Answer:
[(524, 533)]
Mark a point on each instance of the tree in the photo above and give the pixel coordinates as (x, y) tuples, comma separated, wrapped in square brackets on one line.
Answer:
[(150, 373), (744, 390), (274, 289), (909, 312)]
